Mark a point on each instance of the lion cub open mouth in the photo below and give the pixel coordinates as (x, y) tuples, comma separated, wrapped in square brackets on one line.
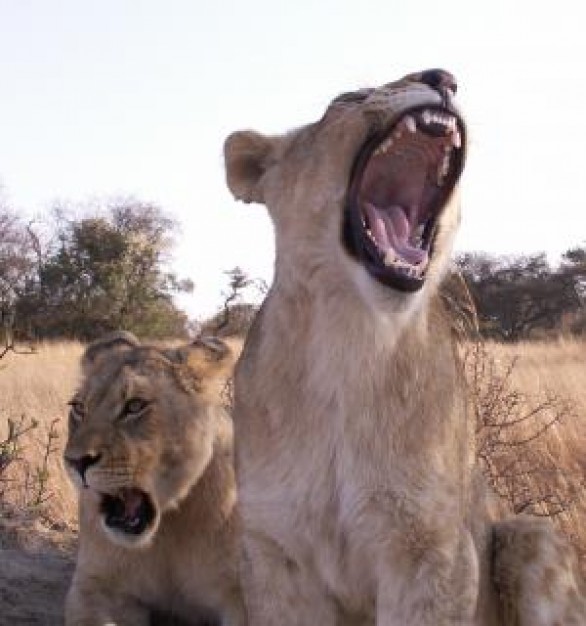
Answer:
[(401, 180), (130, 511)]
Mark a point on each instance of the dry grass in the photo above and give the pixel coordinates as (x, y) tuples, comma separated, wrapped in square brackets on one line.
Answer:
[(556, 369), (36, 388)]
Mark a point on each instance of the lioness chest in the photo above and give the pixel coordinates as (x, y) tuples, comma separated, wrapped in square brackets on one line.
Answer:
[(318, 469)]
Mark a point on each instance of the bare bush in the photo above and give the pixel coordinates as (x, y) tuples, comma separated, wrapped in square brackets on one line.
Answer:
[(516, 432), (236, 313), (513, 433), (24, 484)]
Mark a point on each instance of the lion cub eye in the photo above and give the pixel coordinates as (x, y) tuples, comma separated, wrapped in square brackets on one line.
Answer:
[(77, 411), (134, 406)]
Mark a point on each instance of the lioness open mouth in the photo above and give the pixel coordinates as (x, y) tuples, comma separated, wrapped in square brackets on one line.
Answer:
[(130, 511), (400, 183)]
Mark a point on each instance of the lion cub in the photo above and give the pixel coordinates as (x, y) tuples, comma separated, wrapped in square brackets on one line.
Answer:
[(150, 449)]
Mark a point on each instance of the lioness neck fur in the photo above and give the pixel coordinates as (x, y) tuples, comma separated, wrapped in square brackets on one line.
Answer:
[(150, 446), (353, 447)]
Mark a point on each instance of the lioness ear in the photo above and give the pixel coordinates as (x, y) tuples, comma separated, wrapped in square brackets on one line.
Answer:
[(118, 340), (247, 155), (210, 359)]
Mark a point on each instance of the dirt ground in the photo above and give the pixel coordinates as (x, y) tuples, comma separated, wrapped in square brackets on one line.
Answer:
[(36, 564)]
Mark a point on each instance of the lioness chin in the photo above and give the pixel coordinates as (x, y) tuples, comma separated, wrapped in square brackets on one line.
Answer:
[(353, 448), (150, 448)]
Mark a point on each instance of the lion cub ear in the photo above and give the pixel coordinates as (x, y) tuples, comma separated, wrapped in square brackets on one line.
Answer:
[(118, 340), (248, 155), (211, 360)]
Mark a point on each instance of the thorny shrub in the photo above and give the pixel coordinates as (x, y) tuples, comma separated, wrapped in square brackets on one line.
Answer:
[(512, 436), (24, 485)]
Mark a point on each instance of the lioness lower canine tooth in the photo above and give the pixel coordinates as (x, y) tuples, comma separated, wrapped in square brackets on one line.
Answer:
[(390, 258)]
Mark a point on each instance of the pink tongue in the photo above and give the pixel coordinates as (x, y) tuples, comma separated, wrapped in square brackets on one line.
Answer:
[(391, 229), (132, 500)]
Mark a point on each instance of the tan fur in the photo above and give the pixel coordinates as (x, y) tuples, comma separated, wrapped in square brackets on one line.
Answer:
[(353, 448), (180, 452)]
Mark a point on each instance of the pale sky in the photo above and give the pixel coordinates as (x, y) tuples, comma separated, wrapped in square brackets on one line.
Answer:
[(135, 97)]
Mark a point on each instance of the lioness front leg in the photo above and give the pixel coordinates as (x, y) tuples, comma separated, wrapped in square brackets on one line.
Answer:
[(87, 606), (278, 592), (438, 584), (234, 616), (536, 575)]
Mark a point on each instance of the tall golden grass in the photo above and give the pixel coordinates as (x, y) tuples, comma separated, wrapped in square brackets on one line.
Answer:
[(557, 368), (37, 387)]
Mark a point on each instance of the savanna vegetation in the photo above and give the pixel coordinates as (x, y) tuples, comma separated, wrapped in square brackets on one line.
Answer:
[(80, 272), (83, 271)]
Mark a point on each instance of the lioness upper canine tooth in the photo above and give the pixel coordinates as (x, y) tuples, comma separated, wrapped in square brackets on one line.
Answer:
[(410, 124), (456, 139)]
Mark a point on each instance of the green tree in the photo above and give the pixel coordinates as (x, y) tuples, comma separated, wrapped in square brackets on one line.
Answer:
[(517, 296), (105, 271), (573, 270), (17, 268)]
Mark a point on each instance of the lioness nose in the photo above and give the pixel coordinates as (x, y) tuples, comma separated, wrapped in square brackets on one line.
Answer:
[(439, 79), (83, 463)]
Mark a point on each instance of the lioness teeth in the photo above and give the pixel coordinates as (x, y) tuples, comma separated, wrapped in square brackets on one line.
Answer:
[(438, 118), (410, 124), (443, 169), (390, 257), (392, 260), (384, 147)]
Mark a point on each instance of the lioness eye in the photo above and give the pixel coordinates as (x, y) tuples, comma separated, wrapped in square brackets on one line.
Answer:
[(134, 406), (77, 411)]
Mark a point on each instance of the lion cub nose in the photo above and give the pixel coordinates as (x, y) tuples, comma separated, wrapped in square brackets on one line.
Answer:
[(439, 79), (82, 463)]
